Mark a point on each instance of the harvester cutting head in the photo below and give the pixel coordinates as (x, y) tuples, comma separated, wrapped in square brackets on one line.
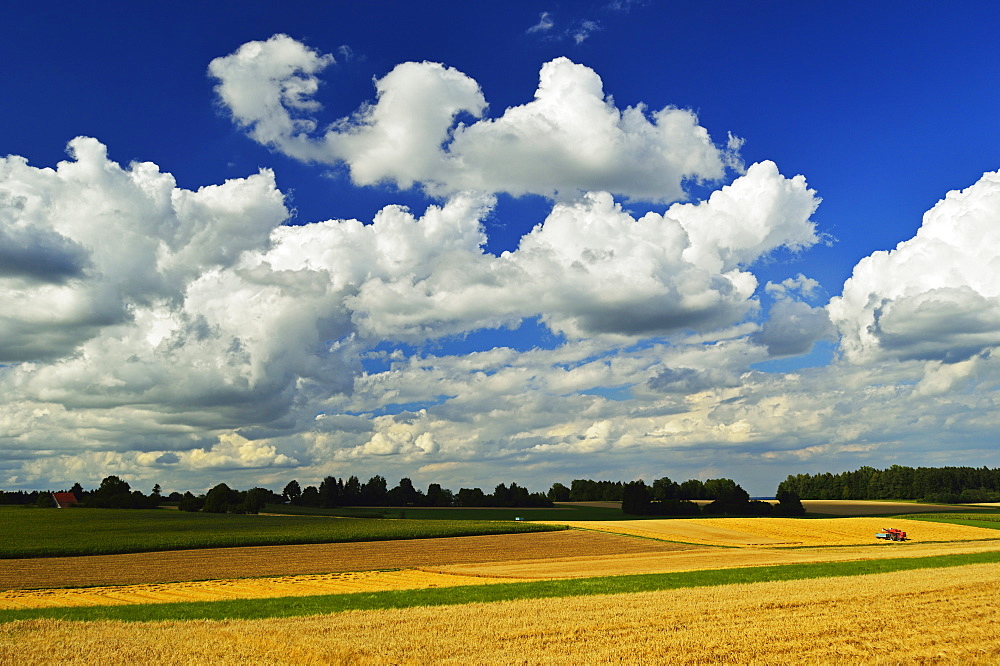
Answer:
[(891, 534)]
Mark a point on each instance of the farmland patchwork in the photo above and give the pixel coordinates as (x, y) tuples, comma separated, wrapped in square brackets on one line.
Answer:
[(570, 596)]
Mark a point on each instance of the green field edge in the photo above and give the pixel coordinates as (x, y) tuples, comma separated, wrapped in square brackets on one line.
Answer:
[(199, 542), (250, 609)]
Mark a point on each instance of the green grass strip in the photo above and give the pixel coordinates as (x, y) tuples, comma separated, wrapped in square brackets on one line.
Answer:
[(990, 521), (245, 609)]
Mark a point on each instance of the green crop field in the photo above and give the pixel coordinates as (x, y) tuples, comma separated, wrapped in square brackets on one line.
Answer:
[(31, 532), (990, 521)]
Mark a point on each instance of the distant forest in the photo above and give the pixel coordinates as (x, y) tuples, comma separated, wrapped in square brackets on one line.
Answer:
[(664, 497), (948, 485)]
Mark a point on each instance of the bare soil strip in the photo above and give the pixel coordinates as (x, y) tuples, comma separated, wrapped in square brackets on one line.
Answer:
[(929, 616), (256, 561)]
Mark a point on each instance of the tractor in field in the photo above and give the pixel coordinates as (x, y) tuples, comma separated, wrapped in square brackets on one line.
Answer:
[(891, 534)]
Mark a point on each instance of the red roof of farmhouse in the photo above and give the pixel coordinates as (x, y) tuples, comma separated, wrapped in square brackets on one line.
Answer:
[(65, 499)]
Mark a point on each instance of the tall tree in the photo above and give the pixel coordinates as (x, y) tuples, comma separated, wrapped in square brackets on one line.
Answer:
[(373, 492), (220, 499), (292, 491), (559, 493), (635, 498)]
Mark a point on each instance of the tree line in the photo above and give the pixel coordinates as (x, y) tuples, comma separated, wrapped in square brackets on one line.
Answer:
[(334, 492), (116, 493), (664, 497), (669, 498), (948, 485)]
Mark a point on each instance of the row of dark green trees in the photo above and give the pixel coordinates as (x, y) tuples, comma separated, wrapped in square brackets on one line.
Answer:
[(116, 493), (334, 492), (948, 485), (664, 497), (667, 498)]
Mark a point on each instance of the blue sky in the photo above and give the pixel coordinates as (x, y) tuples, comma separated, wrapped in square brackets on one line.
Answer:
[(671, 259)]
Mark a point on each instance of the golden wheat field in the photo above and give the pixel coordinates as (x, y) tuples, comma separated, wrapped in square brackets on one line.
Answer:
[(862, 619), (704, 558), (786, 532)]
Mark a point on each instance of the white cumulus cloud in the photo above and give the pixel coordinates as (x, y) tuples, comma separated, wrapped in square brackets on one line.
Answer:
[(935, 296), (570, 138)]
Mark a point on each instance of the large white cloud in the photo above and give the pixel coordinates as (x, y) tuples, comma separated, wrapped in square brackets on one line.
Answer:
[(590, 268), (570, 138), (86, 242), (935, 296)]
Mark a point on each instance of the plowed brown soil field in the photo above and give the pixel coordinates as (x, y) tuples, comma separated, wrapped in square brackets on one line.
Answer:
[(216, 563)]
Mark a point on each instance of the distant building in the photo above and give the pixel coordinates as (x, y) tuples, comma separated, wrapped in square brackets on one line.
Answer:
[(64, 500)]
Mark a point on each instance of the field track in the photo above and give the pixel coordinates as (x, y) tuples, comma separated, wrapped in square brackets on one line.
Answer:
[(935, 616), (216, 563)]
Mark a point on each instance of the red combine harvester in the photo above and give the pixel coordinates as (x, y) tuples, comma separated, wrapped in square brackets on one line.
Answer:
[(891, 534)]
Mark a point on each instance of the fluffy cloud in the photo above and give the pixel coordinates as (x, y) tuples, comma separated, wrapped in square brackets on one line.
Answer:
[(935, 296), (570, 138), (602, 271), (590, 268), (85, 243), (268, 88), (793, 326)]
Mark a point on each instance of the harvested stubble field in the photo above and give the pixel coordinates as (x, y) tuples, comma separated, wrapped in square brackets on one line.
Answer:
[(239, 588), (833, 620), (785, 532), (704, 558)]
